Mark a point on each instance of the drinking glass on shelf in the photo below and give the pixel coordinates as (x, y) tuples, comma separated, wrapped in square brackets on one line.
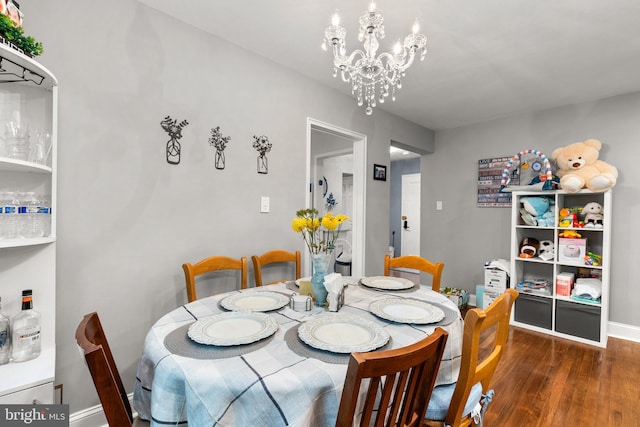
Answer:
[(17, 140), (40, 147)]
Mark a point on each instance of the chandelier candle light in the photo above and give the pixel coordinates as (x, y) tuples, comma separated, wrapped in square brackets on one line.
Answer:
[(372, 77)]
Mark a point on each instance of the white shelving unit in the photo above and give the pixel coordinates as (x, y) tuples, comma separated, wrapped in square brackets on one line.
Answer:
[(554, 314), (30, 89)]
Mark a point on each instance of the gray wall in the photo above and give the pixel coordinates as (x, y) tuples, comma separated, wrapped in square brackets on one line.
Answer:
[(126, 219), (399, 168), (465, 236)]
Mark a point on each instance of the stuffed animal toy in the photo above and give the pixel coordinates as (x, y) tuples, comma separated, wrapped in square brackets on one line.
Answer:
[(538, 210), (547, 250), (579, 167), (593, 215), (570, 234), (529, 247)]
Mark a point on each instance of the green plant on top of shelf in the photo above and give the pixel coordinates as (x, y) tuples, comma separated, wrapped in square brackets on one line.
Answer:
[(14, 35)]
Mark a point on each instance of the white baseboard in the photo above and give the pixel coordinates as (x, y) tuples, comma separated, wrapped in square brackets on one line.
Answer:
[(472, 300), (91, 417), (625, 332)]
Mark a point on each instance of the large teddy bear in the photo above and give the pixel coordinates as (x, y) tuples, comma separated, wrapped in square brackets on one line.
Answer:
[(579, 167)]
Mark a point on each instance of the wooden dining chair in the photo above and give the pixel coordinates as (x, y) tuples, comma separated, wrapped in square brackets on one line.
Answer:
[(399, 386), (214, 263), (273, 257), (484, 340), (417, 263), (92, 340)]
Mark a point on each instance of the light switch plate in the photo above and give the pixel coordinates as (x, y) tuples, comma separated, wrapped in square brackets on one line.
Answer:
[(264, 204)]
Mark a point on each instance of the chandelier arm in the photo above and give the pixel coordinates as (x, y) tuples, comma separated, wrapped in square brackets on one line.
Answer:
[(341, 61), (399, 63)]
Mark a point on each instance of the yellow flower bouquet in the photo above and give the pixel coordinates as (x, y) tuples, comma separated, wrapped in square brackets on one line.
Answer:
[(308, 222)]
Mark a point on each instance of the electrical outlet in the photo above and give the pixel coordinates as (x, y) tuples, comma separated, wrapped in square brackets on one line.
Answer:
[(264, 204), (439, 205)]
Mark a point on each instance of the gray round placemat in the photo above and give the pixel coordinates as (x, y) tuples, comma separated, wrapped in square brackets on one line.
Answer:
[(179, 343), (450, 315), (292, 287), (296, 345)]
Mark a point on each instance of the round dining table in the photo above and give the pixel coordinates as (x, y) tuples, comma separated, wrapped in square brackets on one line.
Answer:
[(278, 380)]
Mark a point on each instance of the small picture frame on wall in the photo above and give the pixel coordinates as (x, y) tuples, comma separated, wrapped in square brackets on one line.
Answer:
[(379, 172)]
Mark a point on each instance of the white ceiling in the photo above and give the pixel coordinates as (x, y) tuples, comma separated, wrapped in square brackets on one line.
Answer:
[(486, 58)]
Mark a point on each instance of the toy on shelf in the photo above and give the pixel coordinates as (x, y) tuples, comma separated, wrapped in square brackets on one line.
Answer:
[(529, 247), (571, 234), (538, 211), (569, 217), (593, 259), (547, 250), (593, 215), (579, 167), (535, 171)]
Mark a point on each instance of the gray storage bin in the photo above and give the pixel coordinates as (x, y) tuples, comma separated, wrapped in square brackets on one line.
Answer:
[(579, 320), (533, 310)]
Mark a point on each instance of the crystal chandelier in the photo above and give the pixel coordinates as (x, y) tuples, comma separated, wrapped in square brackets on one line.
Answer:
[(372, 77)]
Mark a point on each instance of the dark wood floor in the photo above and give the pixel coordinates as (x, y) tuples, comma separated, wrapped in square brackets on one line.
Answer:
[(548, 381)]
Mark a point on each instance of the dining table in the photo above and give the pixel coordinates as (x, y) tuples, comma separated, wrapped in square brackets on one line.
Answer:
[(288, 375)]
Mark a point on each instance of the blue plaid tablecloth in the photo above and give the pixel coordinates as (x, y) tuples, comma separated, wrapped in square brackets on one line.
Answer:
[(272, 385)]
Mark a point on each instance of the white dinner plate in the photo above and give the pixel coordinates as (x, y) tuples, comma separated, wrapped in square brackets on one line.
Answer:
[(255, 301), (340, 333), (303, 279), (406, 310), (387, 283), (232, 328)]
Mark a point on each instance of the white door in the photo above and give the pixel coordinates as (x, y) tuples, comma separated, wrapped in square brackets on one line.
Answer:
[(410, 215)]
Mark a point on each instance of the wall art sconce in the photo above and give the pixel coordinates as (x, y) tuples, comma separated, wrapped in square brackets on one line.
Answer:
[(174, 129), (262, 144), (220, 143)]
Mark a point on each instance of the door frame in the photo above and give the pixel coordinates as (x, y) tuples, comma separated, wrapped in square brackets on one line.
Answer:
[(359, 188)]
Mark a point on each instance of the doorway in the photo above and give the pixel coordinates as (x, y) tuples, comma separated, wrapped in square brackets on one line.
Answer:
[(330, 143), (410, 215), (403, 162)]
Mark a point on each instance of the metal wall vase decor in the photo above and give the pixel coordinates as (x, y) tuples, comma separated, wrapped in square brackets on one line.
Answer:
[(220, 142), (174, 129), (263, 146)]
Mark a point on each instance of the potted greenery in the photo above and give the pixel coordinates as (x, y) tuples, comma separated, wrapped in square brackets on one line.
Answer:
[(13, 35)]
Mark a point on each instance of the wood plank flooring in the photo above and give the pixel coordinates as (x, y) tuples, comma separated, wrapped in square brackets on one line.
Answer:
[(549, 381)]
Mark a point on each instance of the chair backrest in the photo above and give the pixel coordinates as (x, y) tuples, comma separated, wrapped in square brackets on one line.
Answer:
[(210, 264), (400, 383), (272, 257), (106, 378), (488, 331), (417, 263)]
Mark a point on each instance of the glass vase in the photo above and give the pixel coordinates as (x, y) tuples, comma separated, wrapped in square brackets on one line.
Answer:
[(263, 164), (219, 159), (320, 264)]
